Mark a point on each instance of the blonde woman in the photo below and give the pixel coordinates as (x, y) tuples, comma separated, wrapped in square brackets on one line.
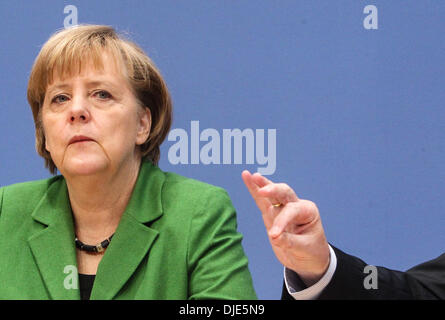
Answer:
[(130, 231)]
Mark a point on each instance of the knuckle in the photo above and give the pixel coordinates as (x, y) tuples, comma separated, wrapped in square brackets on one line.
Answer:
[(311, 206), (282, 186), (291, 210)]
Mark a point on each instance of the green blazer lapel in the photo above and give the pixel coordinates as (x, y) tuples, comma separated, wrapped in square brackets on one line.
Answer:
[(53, 244), (133, 237)]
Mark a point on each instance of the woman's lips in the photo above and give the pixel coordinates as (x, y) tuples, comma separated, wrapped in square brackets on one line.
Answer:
[(77, 139)]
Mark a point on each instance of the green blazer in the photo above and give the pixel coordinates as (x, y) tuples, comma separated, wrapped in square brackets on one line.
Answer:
[(177, 239)]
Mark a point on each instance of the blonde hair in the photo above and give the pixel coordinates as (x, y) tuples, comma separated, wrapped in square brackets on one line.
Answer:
[(64, 54)]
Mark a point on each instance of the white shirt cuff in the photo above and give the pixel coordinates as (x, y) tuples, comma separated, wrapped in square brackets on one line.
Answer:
[(315, 290)]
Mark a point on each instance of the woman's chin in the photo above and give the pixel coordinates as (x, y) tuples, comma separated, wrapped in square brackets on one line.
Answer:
[(83, 167)]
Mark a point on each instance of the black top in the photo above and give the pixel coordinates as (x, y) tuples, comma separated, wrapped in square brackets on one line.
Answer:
[(86, 285)]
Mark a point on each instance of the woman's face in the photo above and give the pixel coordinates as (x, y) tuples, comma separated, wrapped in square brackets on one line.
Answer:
[(93, 122)]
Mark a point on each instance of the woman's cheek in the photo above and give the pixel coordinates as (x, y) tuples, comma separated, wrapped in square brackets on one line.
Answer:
[(53, 140)]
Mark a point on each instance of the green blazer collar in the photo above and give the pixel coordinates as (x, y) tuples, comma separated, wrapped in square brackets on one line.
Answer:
[(53, 246)]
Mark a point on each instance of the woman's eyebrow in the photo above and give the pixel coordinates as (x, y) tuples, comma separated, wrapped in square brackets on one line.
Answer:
[(58, 86), (94, 83), (91, 83)]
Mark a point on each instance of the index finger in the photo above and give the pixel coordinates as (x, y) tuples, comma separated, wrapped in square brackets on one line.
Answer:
[(254, 184), (279, 191)]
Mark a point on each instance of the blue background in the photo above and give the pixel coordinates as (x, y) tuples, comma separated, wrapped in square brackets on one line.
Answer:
[(359, 113)]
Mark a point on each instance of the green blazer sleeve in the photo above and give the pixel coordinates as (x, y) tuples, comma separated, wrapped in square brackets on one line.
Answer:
[(217, 263), (1, 200)]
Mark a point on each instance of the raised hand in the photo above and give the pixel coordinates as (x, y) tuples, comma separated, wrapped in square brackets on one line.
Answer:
[(293, 226)]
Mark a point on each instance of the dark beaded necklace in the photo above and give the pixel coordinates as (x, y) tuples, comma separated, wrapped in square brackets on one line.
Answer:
[(89, 248)]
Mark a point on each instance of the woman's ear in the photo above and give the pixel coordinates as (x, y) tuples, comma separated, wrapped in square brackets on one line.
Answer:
[(144, 125), (44, 141), (46, 146)]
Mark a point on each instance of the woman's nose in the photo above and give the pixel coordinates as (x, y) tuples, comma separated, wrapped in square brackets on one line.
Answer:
[(79, 111)]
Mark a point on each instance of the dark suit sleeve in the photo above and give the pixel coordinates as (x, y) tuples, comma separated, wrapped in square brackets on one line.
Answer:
[(425, 281)]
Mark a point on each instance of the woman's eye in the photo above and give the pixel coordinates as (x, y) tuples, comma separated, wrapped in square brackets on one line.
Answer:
[(60, 99), (103, 95)]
